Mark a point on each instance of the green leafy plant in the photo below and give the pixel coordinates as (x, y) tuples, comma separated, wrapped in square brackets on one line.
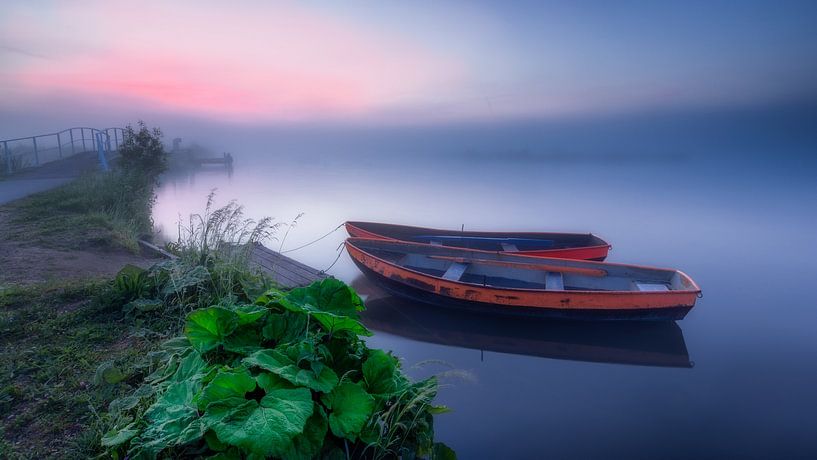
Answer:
[(132, 283), (142, 150), (287, 376)]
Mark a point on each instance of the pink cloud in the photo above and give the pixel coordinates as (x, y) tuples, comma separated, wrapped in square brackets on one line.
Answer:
[(281, 62)]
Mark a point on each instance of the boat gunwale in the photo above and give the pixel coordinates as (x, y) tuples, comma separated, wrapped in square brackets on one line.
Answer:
[(671, 293), (606, 244)]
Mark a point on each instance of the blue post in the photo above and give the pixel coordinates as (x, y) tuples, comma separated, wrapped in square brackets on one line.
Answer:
[(71, 132), (36, 153), (101, 151), (82, 131), (59, 144)]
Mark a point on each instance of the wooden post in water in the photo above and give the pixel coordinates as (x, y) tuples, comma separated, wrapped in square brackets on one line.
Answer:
[(8, 157), (36, 153), (59, 144)]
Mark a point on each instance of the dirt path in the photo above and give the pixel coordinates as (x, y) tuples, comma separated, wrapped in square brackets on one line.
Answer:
[(25, 260), (45, 177)]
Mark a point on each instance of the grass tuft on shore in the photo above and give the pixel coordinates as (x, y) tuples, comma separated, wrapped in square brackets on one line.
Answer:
[(97, 210)]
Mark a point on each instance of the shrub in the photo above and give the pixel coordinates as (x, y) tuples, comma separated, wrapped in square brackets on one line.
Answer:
[(142, 150), (287, 376)]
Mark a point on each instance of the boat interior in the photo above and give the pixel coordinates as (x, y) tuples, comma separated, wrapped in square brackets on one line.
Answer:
[(499, 270), (483, 241)]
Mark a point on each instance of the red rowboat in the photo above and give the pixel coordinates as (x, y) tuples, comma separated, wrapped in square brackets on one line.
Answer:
[(582, 246), (500, 282)]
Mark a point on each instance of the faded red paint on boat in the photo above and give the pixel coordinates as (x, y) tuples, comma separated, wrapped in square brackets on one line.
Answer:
[(597, 252), (357, 232), (586, 253), (560, 300)]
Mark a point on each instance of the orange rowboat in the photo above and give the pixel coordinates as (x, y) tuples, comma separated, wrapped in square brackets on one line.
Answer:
[(581, 246), (505, 283)]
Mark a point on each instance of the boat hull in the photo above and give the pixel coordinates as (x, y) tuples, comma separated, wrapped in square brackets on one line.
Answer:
[(575, 305), (411, 291), (596, 250)]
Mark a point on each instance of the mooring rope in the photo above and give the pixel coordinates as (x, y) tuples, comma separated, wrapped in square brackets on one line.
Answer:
[(340, 253), (315, 241)]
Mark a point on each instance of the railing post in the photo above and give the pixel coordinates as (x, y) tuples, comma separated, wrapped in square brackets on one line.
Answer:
[(101, 151), (71, 132), (8, 157), (59, 144), (36, 152), (116, 138), (82, 131), (108, 140)]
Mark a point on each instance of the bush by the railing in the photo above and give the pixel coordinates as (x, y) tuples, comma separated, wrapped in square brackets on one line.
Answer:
[(142, 150)]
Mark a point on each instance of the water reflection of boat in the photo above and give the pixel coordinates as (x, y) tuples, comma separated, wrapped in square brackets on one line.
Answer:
[(641, 343)]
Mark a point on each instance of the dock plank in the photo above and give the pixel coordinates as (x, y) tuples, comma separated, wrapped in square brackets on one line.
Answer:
[(285, 271)]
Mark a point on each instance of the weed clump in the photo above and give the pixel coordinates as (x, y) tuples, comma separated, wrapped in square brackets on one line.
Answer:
[(286, 376)]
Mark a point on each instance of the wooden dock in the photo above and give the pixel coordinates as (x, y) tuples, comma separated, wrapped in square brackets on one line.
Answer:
[(287, 272)]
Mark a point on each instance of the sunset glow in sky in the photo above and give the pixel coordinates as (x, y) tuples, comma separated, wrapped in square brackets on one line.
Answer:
[(289, 61)]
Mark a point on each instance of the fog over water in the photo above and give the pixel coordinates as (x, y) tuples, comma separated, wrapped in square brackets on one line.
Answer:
[(729, 198)]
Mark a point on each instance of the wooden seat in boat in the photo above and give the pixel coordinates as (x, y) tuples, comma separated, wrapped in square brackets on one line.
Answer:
[(554, 281), (455, 271), (509, 247)]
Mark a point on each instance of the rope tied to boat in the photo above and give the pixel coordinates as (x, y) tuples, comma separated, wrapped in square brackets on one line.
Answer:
[(314, 241), (340, 253)]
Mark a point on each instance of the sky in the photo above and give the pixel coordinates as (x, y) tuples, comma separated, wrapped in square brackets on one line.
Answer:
[(422, 61)]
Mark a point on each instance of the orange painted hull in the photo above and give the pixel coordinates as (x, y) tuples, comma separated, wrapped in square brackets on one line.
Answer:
[(598, 250), (665, 305)]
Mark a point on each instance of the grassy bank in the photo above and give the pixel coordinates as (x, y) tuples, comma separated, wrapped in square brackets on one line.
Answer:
[(195, 357), (107, 210), (53, 337)]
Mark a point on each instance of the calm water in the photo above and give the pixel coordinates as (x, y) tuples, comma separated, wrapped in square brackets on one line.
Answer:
[(737, 377)]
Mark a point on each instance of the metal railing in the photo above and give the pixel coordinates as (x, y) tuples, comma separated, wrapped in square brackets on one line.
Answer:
[(25, 152)]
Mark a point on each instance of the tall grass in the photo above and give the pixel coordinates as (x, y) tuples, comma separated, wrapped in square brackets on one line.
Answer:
[(216, 246), (116, 205)]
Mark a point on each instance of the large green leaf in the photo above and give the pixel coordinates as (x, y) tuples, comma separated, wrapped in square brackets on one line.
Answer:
[(228, 383), (306, 445), (285, 327), (184, 278), (335, 323), (329, 295), (266, 427), (174, 421), (207, 328), (244, 340), (248, 314), (382, 374), (350, 408), (283, 366), (190, 366), (121, 436), (442, 452)]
